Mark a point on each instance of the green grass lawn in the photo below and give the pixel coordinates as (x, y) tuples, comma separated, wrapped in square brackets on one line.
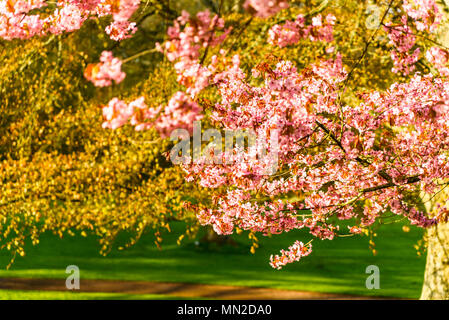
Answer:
[(336, 266), (73, 295)]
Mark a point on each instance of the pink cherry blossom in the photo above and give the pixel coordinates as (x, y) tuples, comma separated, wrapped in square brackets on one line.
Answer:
[(108, 70), (291, 32), (294, 253), (16, 22), (265, 8), (440, 59)]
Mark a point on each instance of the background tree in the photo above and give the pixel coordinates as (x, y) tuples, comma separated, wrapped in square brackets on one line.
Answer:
[(60, 171)]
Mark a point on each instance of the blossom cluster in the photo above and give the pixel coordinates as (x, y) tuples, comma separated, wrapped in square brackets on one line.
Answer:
[(107, 70), (425, 14), (419, 15), (180, 112), (403, 40), (291, 112), (265, 8), (291, 32), (184, 45), (439, 58), (18, 19), (294, 253)]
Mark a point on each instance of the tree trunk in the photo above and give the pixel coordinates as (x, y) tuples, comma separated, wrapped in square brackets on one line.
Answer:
[(436, 276), (212, 237)]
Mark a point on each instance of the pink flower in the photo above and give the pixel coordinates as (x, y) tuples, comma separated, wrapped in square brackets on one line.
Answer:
[(439, 58), (265, 8), (355, 229), (291, 32), (183, 48), (425, 14), (180, 113), (109, 69), (125, 9), (294, 253), (116, 114), (16, 22), (119, 30)]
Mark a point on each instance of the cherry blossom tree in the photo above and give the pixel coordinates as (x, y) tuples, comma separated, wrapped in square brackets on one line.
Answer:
[(346, 157)]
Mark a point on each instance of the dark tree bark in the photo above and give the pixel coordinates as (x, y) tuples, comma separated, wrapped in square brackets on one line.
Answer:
[(212, 237)]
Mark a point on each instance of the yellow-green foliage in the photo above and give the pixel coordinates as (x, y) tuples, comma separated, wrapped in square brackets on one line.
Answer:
[(60, 171)]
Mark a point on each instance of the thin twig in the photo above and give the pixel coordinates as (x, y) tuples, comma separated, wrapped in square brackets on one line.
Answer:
[(139, 55)]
